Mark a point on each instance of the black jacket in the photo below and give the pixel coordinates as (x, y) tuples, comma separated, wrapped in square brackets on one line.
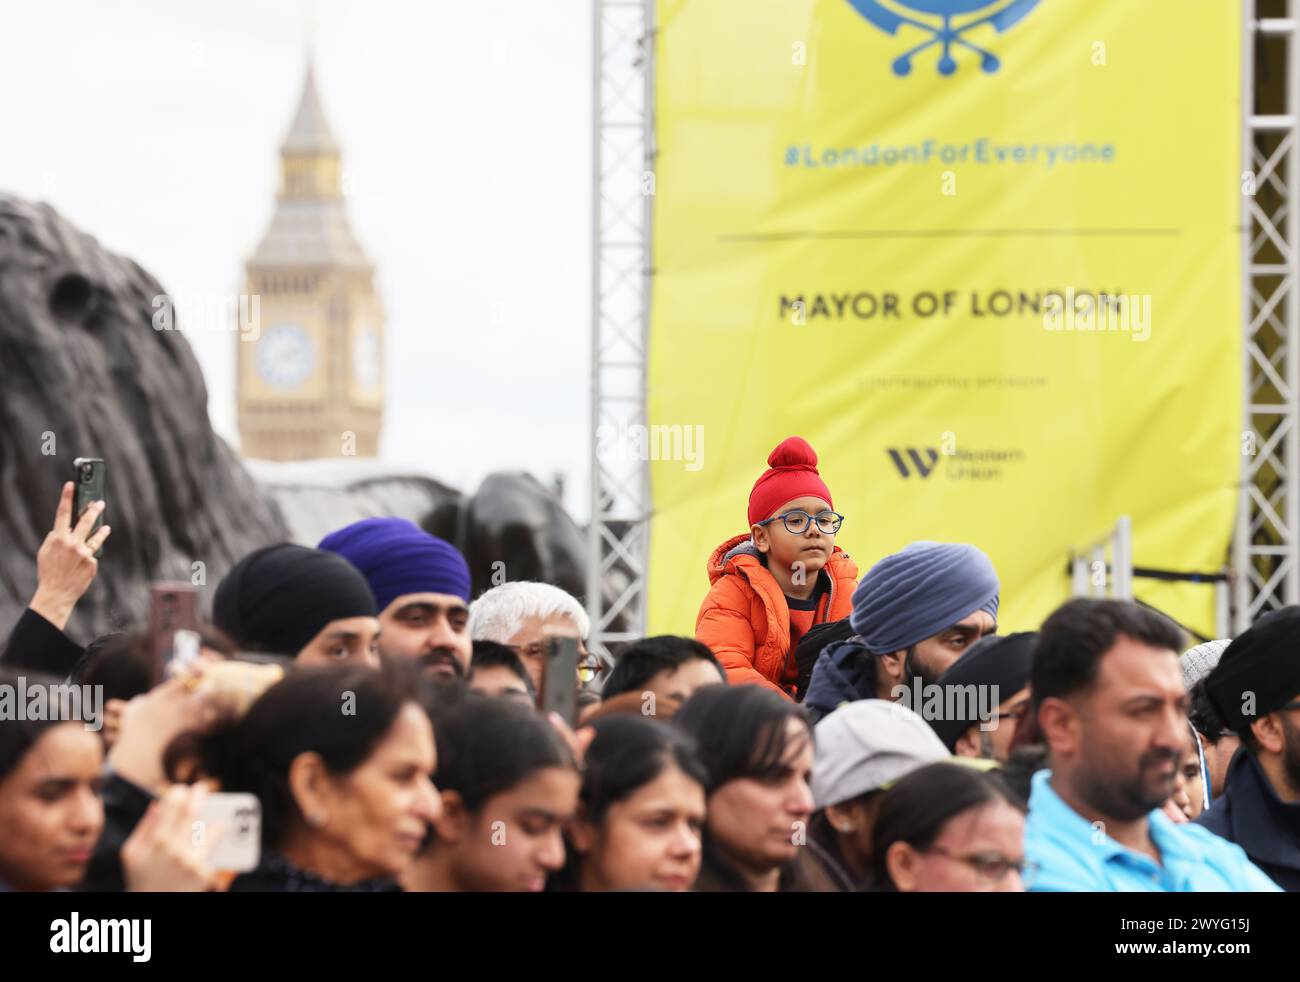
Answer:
[(36, 645), (803, 874), (1250, 814), (275, 874), (811, 645), (124, 806)]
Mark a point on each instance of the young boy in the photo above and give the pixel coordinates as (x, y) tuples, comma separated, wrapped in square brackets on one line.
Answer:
[(784, 576)]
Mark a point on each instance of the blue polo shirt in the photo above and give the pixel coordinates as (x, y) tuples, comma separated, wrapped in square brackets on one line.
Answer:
[(1071, 855)]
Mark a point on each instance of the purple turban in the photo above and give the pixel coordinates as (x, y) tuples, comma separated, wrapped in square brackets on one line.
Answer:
[(398, 557)]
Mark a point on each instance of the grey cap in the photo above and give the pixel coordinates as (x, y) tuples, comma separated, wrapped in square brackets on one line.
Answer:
[(865, 745), (1198, 662)]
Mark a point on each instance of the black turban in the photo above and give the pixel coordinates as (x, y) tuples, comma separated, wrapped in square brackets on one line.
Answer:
[(278, 598), (1259, 671), (1001, 660)]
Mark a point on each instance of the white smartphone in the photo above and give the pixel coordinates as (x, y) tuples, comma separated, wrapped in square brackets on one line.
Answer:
[(237, 818)]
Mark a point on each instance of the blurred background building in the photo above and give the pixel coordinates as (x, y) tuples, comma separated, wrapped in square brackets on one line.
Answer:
[(311, 384)]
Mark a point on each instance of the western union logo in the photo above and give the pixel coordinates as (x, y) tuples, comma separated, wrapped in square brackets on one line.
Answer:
[(959, 464), (922, 461)]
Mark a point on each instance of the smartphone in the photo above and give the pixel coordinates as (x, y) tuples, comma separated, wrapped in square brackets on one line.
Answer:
[(186, 647), (91, 477), (237, 817), (560, 679), (173, 607)]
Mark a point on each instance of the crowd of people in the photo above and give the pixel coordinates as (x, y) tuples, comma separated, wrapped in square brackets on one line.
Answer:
[(820, 732)]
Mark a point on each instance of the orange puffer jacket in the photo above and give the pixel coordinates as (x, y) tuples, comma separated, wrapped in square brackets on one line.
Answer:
[(745, 620)]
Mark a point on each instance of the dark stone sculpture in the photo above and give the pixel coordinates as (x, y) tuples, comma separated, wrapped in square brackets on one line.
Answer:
[(83, 372), (514, 520)]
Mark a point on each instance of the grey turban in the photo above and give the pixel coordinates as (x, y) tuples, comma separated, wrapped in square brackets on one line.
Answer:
[(916, 593)]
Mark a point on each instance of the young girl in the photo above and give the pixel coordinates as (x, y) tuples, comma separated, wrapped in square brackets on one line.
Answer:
[(641, 813), (51, 813), (509, 785)]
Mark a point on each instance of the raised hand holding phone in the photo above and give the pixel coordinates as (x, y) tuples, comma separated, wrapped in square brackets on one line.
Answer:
[(559, 689), (173, 608), (65, 563), (171, 849), (92, 483), (558, 698)]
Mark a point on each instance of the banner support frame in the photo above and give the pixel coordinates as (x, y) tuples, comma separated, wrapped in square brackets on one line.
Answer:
[(1265, 547), (623, 174)]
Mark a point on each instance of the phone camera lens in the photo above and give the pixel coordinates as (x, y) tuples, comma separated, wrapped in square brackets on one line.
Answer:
[(86, 473)]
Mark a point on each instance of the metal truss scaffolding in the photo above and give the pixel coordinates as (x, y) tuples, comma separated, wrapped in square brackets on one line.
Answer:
[(1266, 543), (623, 188)]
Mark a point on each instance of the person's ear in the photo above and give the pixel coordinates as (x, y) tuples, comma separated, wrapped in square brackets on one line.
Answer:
[(451, 826), (762, 541), (841, 818), (902, 863), (582, 832), (311, 787), (968, 744), (894, 665), (1059, 724), (1267, 731)]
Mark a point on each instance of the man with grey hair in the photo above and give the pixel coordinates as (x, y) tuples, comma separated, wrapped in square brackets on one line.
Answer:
[(519, 615)]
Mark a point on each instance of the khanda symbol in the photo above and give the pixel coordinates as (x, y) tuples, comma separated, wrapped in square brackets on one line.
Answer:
[(945, 33)]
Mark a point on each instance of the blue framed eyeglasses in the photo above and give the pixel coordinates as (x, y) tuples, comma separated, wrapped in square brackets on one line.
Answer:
[(796, 522)]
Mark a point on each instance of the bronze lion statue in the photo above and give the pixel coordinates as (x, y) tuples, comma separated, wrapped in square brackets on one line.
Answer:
[(85, 373)]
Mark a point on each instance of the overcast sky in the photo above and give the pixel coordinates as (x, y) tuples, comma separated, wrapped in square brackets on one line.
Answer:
[(155, 125)]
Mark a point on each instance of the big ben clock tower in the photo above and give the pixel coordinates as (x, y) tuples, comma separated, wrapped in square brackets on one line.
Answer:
[(311, 384)]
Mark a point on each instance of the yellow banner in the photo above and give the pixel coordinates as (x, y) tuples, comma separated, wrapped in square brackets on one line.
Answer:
[(988, 264)]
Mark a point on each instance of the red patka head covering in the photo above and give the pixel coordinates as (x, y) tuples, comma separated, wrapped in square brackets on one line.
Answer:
[(792, 473)]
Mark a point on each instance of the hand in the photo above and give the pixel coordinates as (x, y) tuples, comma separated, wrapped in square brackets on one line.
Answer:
[(169, 850), (65, 563), (112, 720), (151, 721), (232, 686)]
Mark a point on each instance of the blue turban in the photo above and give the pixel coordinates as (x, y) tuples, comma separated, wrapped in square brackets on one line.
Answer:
[(914, 594), (398, 557)]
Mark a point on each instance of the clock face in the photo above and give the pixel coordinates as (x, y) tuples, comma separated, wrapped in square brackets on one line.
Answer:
[(365, 358), (285, 356)]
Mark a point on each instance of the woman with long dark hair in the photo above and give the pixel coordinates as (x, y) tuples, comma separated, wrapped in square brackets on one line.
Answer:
[(340, 758), (758, 751)]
